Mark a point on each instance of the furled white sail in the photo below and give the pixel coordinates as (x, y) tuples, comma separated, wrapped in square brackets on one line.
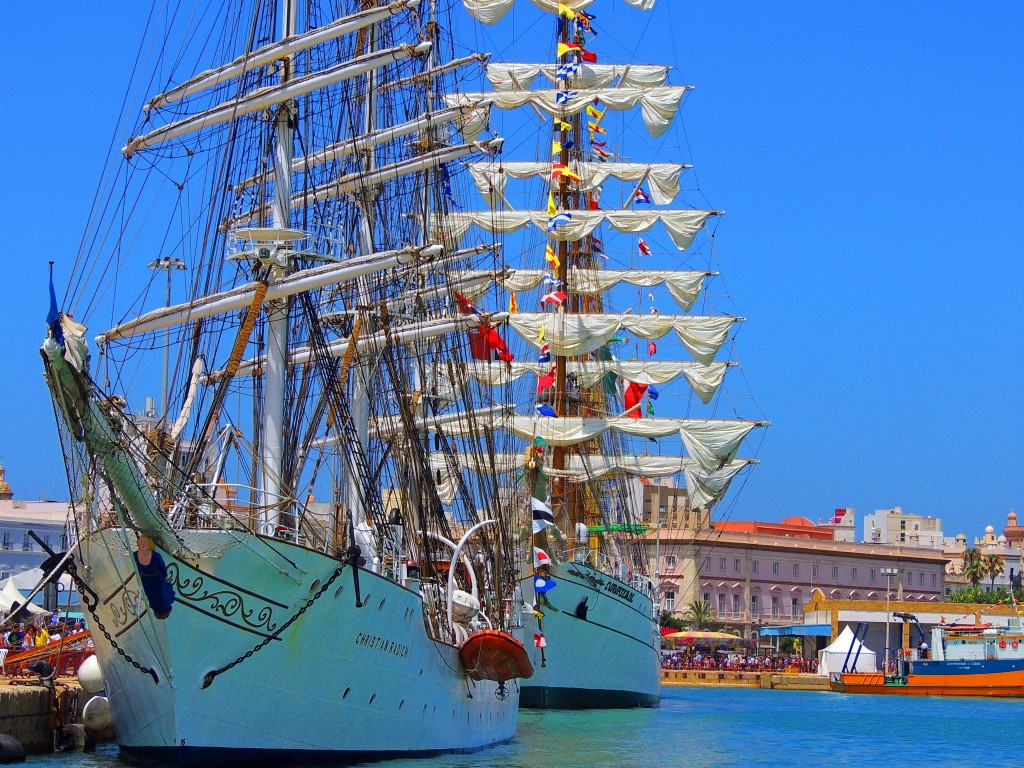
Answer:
[(705, 488), (271, 96), (684, 285), (658, 104), (714, 442), (581, 468), (278, 50), (351, 182), (704, 380), (411, 333), (242, 296), (493, 11), (682, 226), (509, 76), (661, 178), (468, 125), (573, 335)]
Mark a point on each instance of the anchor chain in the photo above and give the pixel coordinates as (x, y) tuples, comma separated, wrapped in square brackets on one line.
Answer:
[(86, 591), (209, 677)]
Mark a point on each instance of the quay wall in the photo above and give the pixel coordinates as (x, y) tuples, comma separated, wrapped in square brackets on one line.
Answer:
[(30, 713), (782, 681)]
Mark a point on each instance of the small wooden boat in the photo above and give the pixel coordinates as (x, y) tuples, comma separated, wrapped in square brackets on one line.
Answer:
[(493, 655)]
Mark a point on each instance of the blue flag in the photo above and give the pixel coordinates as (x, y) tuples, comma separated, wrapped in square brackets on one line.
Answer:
[(53, 317), (652, 392), (546, 410)]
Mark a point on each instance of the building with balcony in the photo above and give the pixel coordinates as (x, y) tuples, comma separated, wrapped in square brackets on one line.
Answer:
[(759, 574), (19, 552), (894, 526)]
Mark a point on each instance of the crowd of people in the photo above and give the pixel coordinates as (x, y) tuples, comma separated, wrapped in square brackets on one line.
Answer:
[(706, 659), (22, 637)]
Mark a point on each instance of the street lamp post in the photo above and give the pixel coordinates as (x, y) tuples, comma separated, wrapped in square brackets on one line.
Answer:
[(166, 263), (889, 573)]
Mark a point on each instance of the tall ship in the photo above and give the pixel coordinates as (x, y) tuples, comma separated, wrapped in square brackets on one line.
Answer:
[(605, 287), (273, 564)]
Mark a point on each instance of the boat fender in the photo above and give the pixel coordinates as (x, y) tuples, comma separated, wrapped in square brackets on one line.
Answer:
[(90, 676), (582, 608), (75, 737), (11, 750), (97, 718)]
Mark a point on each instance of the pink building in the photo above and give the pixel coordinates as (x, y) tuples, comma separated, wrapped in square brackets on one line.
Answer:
[(755, 574)]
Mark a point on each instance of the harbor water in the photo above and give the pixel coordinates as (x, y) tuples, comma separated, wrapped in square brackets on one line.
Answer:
[(735, 727)]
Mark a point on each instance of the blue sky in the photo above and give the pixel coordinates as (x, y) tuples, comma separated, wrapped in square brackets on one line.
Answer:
[(868, 158)]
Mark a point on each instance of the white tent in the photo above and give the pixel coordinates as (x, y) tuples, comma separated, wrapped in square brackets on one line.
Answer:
[(11, 594), (843, 650)]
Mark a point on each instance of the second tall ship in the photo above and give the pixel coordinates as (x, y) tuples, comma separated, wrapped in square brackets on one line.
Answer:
[(598, 245)]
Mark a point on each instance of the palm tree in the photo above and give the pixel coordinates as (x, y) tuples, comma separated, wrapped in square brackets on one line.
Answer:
[(699, 614), (974, 565), (993, 565)]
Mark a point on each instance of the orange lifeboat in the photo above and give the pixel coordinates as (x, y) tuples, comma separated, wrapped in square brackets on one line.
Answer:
[(493, 655)]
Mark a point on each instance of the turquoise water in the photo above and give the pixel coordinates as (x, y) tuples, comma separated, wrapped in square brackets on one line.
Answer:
[(697, 727)]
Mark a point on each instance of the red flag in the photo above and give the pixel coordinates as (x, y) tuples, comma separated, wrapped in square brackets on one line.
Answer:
[(645, 249), (555, 297), (651, 347), (539, 640), (486, 344), (634, 394), (590, 58), (545, 381), (465, 305)]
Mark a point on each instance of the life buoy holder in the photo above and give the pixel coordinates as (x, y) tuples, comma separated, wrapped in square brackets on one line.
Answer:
[(900, 653), (1002, 643), (1014, 644)]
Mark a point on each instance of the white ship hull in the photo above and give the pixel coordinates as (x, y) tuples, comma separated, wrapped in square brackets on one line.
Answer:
[(610, 659), (339, 684)]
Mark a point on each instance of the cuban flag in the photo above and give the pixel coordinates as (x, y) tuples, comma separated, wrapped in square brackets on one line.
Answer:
[(542, 515), (564, 97)]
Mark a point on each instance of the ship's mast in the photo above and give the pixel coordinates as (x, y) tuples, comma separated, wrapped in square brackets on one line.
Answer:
[(359, 407), (562, 405), (271, 492)]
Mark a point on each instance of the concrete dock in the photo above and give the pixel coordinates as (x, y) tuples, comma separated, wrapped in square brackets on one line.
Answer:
[(32, 713), (781, 681)]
